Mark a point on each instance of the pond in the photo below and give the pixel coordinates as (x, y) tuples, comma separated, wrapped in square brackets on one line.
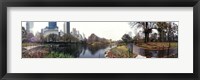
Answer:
[(82, 50), (172, 53), (98, 51)]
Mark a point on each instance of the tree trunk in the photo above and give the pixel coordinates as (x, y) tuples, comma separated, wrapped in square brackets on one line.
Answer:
[(169, 37), (146, 37), (160, 36)]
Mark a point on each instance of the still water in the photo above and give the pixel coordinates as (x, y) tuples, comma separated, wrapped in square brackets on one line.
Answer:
[(82, 51), (155, 53), (88, 51)]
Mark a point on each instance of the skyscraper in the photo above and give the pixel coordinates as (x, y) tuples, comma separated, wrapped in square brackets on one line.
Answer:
[(74, 32), (29, 26), (50, 29), (52, 25), (42, 31), (67, 27)]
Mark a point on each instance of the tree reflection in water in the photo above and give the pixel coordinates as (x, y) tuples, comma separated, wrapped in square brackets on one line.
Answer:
[(79, 49), (160, 53), (94, 49)]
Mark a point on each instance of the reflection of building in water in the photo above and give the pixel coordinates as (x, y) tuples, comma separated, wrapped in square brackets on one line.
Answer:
[(29, 27), (50, 29), (66, 27)]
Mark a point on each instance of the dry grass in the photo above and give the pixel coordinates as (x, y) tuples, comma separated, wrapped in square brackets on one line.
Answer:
[(158, 45), (29, 44), (120, 52)]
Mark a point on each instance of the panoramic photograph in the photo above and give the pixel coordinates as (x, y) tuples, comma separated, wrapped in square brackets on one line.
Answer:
[(99, 39)]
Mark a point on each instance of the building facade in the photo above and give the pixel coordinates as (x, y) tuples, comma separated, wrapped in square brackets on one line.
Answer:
[(29, 27), (52, 25), (66, 27), (50, 29)]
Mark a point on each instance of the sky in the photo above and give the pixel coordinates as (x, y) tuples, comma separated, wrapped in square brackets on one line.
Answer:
[(108, 30)]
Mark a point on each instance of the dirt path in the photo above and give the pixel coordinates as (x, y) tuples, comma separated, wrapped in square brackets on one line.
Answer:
[(31, 47), (35, 52)]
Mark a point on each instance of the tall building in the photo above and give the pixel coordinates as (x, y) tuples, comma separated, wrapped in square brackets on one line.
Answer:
[(42, 31), (29, 27), (50, 29), (67, 27), (76, 34), (52, 25)]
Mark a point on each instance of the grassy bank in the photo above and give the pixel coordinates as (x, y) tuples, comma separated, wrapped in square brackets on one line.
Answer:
[(58, 55), (120, 52), (158, 45), (37, 52), (43, 52), (29, 44)]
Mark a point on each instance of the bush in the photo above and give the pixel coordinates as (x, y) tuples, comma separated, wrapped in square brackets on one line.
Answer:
[(58, 55)]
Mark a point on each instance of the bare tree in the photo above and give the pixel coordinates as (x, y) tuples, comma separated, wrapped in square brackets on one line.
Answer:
[(147, 27), (52, 38)]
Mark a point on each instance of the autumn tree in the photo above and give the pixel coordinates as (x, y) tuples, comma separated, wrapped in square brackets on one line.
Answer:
[(52, 38), (126, 38), (162, 29), (146, 26), (69, 38), (24, 34)]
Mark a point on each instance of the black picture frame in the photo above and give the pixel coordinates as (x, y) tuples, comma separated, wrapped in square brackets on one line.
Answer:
[(98, 3)]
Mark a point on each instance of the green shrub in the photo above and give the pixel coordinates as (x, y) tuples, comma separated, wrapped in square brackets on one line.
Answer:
[(58, 55)]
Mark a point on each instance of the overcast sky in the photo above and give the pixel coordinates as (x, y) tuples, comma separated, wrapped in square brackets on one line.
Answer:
[(108, 30)]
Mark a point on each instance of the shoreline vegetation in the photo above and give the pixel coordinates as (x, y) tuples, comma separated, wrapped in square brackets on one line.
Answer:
[(121, 49), (158, 45), (119, 52)]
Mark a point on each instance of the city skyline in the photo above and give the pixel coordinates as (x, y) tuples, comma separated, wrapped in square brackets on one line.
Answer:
[(109, 30)]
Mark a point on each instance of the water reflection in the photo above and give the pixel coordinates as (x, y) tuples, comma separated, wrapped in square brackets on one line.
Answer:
[(155, 53), (81, 50), (89, 51)]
